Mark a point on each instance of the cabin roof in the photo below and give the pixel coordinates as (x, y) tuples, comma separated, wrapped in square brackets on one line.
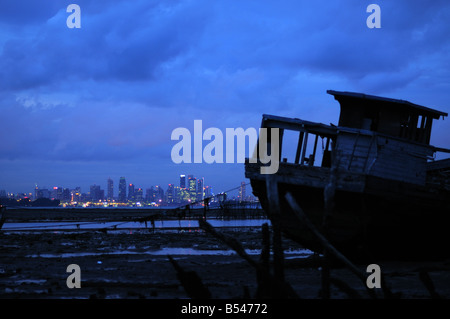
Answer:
[(434, 113)]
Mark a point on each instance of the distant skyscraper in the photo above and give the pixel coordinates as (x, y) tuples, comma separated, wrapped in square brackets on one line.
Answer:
[(182, 181), (242, 192), (76, 194), (96, 193), (177, 195), (110, 189), (158, 194), (192, 188), (207, 191), (184, 195), (56, 193), (149, 195), (170, 194), (131, 195), (139, 195), (122, 190), (200, 193), (66, 195), (42, 193)]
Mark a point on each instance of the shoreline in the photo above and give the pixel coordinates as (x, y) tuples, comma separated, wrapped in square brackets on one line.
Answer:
[(122, 214), (120, 265), (134, 265)]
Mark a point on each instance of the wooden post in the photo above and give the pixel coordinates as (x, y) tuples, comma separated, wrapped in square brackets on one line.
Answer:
[(305, 143), (313, 159), (263, 273), (299, 147), (426, 279), (280, 143), (277, 288), (324, 242), (265, 251), (328, 197), (274, 208), (191, 282)]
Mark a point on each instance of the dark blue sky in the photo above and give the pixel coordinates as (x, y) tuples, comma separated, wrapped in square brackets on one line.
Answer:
[(80, 105)]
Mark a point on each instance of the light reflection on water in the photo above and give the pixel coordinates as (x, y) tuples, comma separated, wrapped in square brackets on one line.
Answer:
[(175, 251), (159, 224)]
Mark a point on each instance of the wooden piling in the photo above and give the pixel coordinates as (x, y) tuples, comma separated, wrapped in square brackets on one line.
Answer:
[(269, 285), (328, 196), (191, 282), (274, 202), (324, 242)]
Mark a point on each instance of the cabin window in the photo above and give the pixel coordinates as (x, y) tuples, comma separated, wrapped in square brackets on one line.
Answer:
[(420, 122), (305, 148), (326, 158), (416, 128), (370, 120), (404, 129)]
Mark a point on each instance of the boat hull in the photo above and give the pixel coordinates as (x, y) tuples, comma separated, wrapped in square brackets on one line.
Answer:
[(387, 221)]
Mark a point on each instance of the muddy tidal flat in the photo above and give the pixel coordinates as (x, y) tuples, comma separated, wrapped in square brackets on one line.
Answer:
[(134, 264)]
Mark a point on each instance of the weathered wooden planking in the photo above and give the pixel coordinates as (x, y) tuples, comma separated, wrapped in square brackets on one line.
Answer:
[(439, 165), (401, 161), (383, 157), (317, 177)]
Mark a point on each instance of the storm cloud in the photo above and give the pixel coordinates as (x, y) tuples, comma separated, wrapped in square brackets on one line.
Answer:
[(110, 93)]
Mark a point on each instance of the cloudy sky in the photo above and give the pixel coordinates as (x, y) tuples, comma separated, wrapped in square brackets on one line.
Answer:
[(80, 105)]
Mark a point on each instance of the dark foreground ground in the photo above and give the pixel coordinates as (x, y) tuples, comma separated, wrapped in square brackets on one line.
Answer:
[(131, 265)]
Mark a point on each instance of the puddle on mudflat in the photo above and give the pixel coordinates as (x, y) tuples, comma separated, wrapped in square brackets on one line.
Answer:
[(300, 253)]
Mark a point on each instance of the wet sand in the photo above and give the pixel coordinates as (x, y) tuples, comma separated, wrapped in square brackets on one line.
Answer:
[(134, 265)]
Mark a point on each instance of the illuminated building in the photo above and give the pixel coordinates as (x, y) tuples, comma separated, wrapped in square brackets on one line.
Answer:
[(41, 193), (242, 195), (139, 195), (131, 196), (110, 189), (192, 188), (200, 193), (184, 195), (56, 193), (66, 197), (158, 194), (182, 181), (208, 192), (76, 194), (177, 195), (122, 190), (169, 194), (96, 194), (149, 195)]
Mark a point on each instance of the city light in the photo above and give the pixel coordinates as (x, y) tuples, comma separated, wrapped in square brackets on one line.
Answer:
[(191, 191)]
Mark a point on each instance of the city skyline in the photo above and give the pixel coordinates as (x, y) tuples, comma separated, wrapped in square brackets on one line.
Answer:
[(79, 105), (196, 190)]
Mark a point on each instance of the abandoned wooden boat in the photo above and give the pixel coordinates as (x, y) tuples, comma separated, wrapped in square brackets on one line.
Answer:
[(390, 196)]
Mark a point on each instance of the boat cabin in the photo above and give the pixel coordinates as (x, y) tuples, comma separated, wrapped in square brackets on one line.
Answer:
[(397, 118), (377, 136)]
